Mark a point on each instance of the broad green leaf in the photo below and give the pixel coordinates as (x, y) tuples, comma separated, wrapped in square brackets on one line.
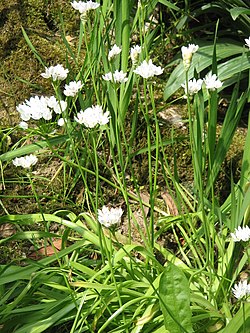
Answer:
[(175, 300), (235, 12)]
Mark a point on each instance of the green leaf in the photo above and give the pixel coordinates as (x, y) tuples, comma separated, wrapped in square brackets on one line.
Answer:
[(29, 149), (228, 129), (28, 235), (169, 4), (245, 167), (237, 322), (237, 11), (33, 49), (175, 300)]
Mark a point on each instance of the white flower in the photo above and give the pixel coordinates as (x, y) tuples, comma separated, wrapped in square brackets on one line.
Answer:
[(193, 86), (117, 76), (72, 88), (33, 108), (57, 106), (40, 107), (47, 114), (92, 116), (241, 234), (25, 161), (247, 42), (134, 53), (23, 125), (55, 72), (212, 82), (242, 289), (187, 54), (61, 122), (84, 7), (148, 69), (109, 216), (114, 51)]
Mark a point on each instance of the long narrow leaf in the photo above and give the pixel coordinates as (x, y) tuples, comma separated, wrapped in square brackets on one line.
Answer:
[(33, 147)]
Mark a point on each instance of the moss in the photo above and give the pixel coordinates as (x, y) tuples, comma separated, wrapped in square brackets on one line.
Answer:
[(20, 70)]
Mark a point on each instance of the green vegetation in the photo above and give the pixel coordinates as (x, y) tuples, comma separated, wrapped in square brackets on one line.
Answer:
[(123, 208)]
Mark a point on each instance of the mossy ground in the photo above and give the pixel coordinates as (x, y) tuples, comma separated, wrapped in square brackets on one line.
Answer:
[(20, 70)]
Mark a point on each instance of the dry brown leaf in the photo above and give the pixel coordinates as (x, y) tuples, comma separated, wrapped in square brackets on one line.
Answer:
[(46, 251), (7, 230), (169, 201)]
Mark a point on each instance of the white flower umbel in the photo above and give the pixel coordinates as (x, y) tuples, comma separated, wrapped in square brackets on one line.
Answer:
[(72, 88), (117, 76), (23, 125), (40, 107), (241, 290), (55, 72), (147, 69), (187, 54), (241, 234), (35, 108), (25, 161), (193, 86), (92, 116), (84, 7), (114, 51), (134, 53), (212, 82), (109, 217), (247, 40)]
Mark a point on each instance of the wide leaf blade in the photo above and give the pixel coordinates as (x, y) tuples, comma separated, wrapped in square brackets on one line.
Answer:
[(175, 300)]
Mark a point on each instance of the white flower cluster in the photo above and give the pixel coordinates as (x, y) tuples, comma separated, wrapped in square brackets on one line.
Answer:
[(114, 51), (72, 88), (117, 76), (241, 290), (40, 107), (59, 73), (84, 7), (247, 40), (241, 234), (134, 53), (193, 86), (211, 82), (55, 72), (108, 217), (92, 116), (187, 54), (147, 69), (25, 161)]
